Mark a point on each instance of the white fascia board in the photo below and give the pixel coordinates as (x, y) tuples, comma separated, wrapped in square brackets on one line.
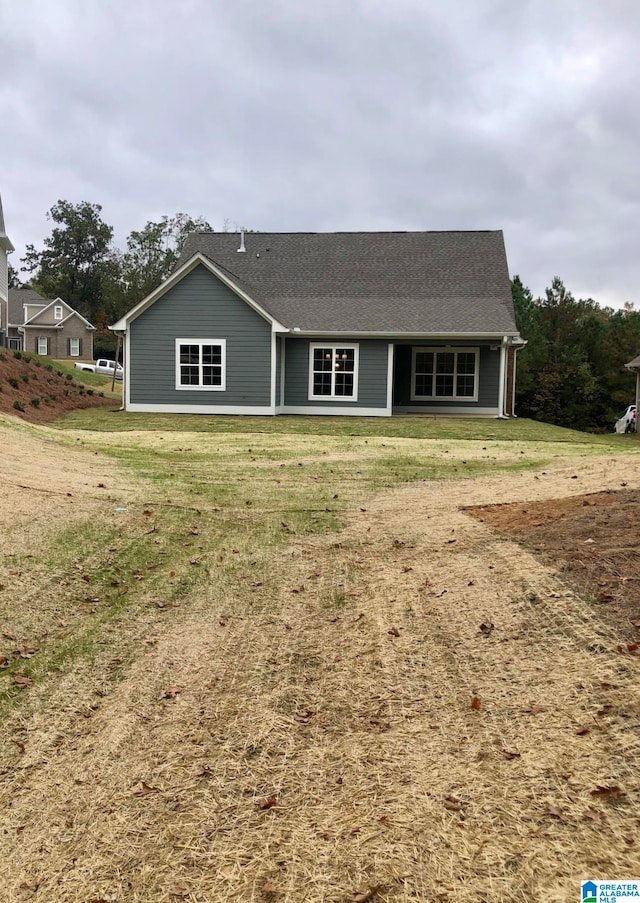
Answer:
[(404, 336), (74, 313), (186, 268)]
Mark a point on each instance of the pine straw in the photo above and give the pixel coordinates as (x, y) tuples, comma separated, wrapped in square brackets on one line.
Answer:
[(322, 744)]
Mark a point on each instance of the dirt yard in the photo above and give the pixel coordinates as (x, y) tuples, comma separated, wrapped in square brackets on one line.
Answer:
[(439, 702)]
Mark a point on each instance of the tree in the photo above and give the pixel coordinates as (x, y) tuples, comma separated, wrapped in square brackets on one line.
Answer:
[(73, 263), (14, 278), (152, 254)]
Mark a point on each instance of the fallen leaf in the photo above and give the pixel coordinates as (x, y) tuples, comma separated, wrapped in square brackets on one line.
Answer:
[(144, 789), (582, 730), (536, 709), (486, 629), (475, 703), (21, 746), (27, 651), (366, 895), (4, 661), (269, 888), (452, 804), (268, 802), (9, 636), (553, 812), (86, 578), (602, 792), (510, 753), (170, 693), (21, 681), (179, 890), (393, 632), (605, 710)]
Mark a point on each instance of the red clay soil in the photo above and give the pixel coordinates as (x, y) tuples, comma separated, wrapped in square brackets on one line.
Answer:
[(591, 539), (37, 392)]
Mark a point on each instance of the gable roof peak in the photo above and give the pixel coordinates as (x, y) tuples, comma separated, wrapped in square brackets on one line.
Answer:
[(5, 241)]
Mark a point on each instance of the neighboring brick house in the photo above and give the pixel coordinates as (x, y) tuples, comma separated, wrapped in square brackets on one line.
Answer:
[(50, 328)]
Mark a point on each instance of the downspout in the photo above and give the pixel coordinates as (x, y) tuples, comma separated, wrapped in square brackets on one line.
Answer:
[(516, 348), (502, 377)]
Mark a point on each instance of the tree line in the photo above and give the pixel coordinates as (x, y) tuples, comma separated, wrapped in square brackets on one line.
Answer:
[(572, 371), (79, 262)]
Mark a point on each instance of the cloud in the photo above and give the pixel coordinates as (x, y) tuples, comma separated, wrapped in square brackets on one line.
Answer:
[(345, 114)]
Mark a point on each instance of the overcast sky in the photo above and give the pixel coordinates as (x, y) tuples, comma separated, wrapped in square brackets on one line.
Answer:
[(292, 115)]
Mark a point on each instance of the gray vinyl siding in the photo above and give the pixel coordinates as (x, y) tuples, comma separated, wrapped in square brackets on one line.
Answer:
[(488, 377), (372, 374), (200, 306)]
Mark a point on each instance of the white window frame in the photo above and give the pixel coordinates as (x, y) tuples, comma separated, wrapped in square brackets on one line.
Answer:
[(41, 339), (440, 349), (223, 359), (74, 351), (333, 348), (57, 312)]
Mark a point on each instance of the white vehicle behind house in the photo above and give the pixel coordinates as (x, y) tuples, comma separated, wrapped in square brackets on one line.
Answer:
[(103, 366), (626, 423)]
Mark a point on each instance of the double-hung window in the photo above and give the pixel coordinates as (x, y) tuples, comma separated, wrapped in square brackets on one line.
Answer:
[(57, 312), (333, 372), (43, 345), (201, 364), (444, 373)]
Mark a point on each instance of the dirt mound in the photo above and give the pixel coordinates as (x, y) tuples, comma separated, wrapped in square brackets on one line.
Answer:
[(39, 392), (592, 539)]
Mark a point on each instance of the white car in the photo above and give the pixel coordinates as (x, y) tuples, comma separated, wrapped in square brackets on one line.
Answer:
[(627, 422)]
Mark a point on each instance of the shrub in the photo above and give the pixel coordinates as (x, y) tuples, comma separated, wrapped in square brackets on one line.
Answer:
[(49, 367), (89, 391), (69, 376), (13, 382), (38, 363), (25, 377), (66, 391), (35, 401), (17, 355), (18, 405), (3, 356)]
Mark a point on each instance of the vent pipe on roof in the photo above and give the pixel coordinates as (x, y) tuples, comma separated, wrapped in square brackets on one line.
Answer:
[(241, 249)]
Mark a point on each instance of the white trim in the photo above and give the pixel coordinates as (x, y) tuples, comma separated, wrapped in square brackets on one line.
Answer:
[(283, 352), (502, 377), (336, 335), (333, 347), (390, 356), (472, 410), (186, 268), (57, 309), (71, 352), (249, 410), (443, 349), (326, 411), (272, 394), (45, 339), (181, 387)]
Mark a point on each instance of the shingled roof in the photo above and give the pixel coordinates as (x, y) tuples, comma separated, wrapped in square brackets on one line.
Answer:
[(18, 297), (370, 282)]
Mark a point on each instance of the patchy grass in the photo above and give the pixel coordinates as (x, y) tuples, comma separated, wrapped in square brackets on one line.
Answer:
[(242, 653), (399, 426)]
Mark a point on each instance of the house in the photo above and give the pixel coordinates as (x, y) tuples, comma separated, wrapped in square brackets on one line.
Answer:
[(5, 249), (46, 327), (353, 323)]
